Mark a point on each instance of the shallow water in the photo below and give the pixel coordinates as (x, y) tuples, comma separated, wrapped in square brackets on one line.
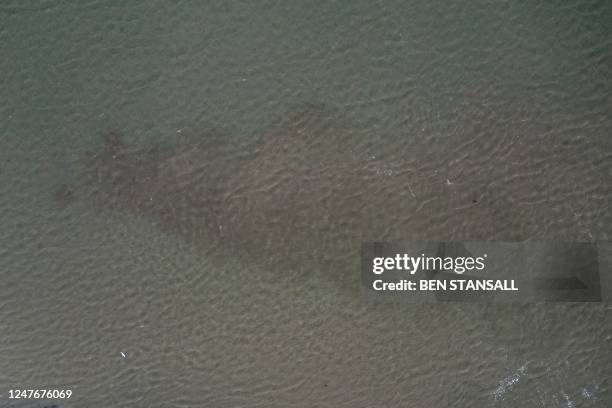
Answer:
[(214, 260)]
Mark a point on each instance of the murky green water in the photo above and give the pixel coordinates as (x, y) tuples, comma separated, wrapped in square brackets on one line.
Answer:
[(207, 255)]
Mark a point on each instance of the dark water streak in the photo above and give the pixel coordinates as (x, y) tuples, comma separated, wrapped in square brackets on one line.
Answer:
[(301, 199)]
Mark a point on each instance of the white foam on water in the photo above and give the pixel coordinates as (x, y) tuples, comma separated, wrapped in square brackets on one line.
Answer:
[(506, 384)]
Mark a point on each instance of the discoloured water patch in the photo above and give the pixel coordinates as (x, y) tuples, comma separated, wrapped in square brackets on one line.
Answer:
[(301, 198)]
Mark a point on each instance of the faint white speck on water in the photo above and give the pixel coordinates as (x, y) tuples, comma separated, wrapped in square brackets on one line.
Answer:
[(590, 394), (568, 402), (123, 354), (410, 189), (381, 168)]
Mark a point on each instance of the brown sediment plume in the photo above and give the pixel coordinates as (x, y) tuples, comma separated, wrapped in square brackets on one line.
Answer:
[(301, 198)]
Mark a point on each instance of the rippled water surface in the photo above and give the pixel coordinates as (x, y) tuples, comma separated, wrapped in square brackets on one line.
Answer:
[(184, 188)]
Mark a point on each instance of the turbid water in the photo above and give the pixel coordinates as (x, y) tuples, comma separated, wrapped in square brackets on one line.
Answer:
[(185, 188)]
